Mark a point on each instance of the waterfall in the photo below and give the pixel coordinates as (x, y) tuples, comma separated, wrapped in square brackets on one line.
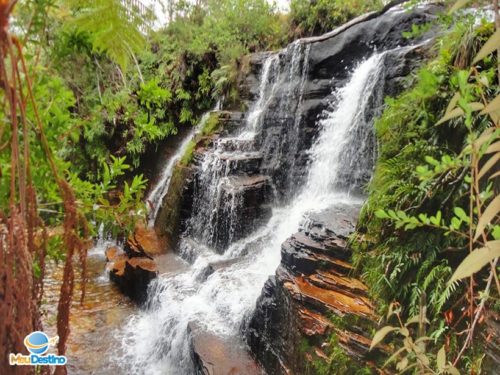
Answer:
[(155, 341), (159, 190), (219, 187)]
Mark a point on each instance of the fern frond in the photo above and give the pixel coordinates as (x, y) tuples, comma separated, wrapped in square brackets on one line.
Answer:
[(114, 27)]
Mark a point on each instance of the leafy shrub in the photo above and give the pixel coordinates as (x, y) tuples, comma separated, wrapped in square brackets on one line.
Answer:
[(314, 17)]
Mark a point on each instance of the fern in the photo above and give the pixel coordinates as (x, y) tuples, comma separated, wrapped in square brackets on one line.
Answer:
[(114, 27)]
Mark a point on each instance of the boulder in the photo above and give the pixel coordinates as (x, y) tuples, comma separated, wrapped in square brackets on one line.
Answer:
[(131, 274), (145, 242)]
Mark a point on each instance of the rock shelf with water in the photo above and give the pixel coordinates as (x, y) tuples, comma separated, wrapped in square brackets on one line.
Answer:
[(311, 285)]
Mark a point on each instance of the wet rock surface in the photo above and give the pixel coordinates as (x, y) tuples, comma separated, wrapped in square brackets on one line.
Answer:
[(312, 285), (144, 242), (287, 129), (132, 274), (228, 187), (216, 355)]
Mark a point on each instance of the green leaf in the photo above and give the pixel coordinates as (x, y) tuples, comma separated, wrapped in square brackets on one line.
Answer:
[(457, 112), (436, 220), (476, 260), (461, 214), (489, 47), (380, 335), (496, 232)]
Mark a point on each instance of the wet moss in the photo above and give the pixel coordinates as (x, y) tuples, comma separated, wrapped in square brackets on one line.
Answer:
[(211, 126), (187, 158)]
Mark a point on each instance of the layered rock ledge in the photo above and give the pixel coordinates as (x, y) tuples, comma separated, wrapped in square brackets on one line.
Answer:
[(311, 298)]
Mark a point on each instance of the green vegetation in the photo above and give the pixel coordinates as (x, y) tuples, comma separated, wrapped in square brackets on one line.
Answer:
[(212, 125), (188, 155), (88, 90), (339, 362), (317, 17), (106, 96), (432, 206)]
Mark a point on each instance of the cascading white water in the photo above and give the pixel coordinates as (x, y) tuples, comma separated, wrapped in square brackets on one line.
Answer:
[(266, 91), (155, 341), (158, 192), (218, 199)]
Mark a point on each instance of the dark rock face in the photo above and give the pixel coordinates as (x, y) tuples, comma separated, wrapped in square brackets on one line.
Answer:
[(311, 285), (313, 282), (132, 274), (232, 197), (290, 128)]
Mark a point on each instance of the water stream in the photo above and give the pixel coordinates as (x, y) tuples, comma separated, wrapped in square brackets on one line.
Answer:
[(159, 190), (155, 340)]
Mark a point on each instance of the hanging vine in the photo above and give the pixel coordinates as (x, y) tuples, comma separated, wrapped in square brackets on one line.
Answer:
[(23, 236)]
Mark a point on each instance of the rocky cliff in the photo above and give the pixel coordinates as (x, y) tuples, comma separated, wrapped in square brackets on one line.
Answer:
[(313, 306), (312, 297), (259, 160)]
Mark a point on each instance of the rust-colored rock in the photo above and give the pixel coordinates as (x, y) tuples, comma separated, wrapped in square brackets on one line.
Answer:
[(313, 284), (131, 274), (145, 242), (113, 252), (215, 355), (148, 241)]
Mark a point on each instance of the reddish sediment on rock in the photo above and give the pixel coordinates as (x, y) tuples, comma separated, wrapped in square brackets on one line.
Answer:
[(312, 296)]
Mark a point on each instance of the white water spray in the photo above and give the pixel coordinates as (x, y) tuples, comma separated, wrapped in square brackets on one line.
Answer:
[(158, 192), (155, 341)]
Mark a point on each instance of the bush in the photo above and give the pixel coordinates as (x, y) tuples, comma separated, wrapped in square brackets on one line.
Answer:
[(315, 17)]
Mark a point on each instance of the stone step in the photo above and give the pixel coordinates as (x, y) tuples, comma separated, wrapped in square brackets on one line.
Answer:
[(301, 259), (229, 144), (328, 300), (246, 182), (241, 162)]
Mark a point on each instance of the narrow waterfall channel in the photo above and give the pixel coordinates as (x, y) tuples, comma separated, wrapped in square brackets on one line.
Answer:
[(155, 340), (159, 190)]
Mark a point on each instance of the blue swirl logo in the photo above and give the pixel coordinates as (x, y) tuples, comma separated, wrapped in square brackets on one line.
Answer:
[(37, 343)]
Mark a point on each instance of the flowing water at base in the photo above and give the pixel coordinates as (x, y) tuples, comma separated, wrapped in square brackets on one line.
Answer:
[(155, 340), (92, 323)]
